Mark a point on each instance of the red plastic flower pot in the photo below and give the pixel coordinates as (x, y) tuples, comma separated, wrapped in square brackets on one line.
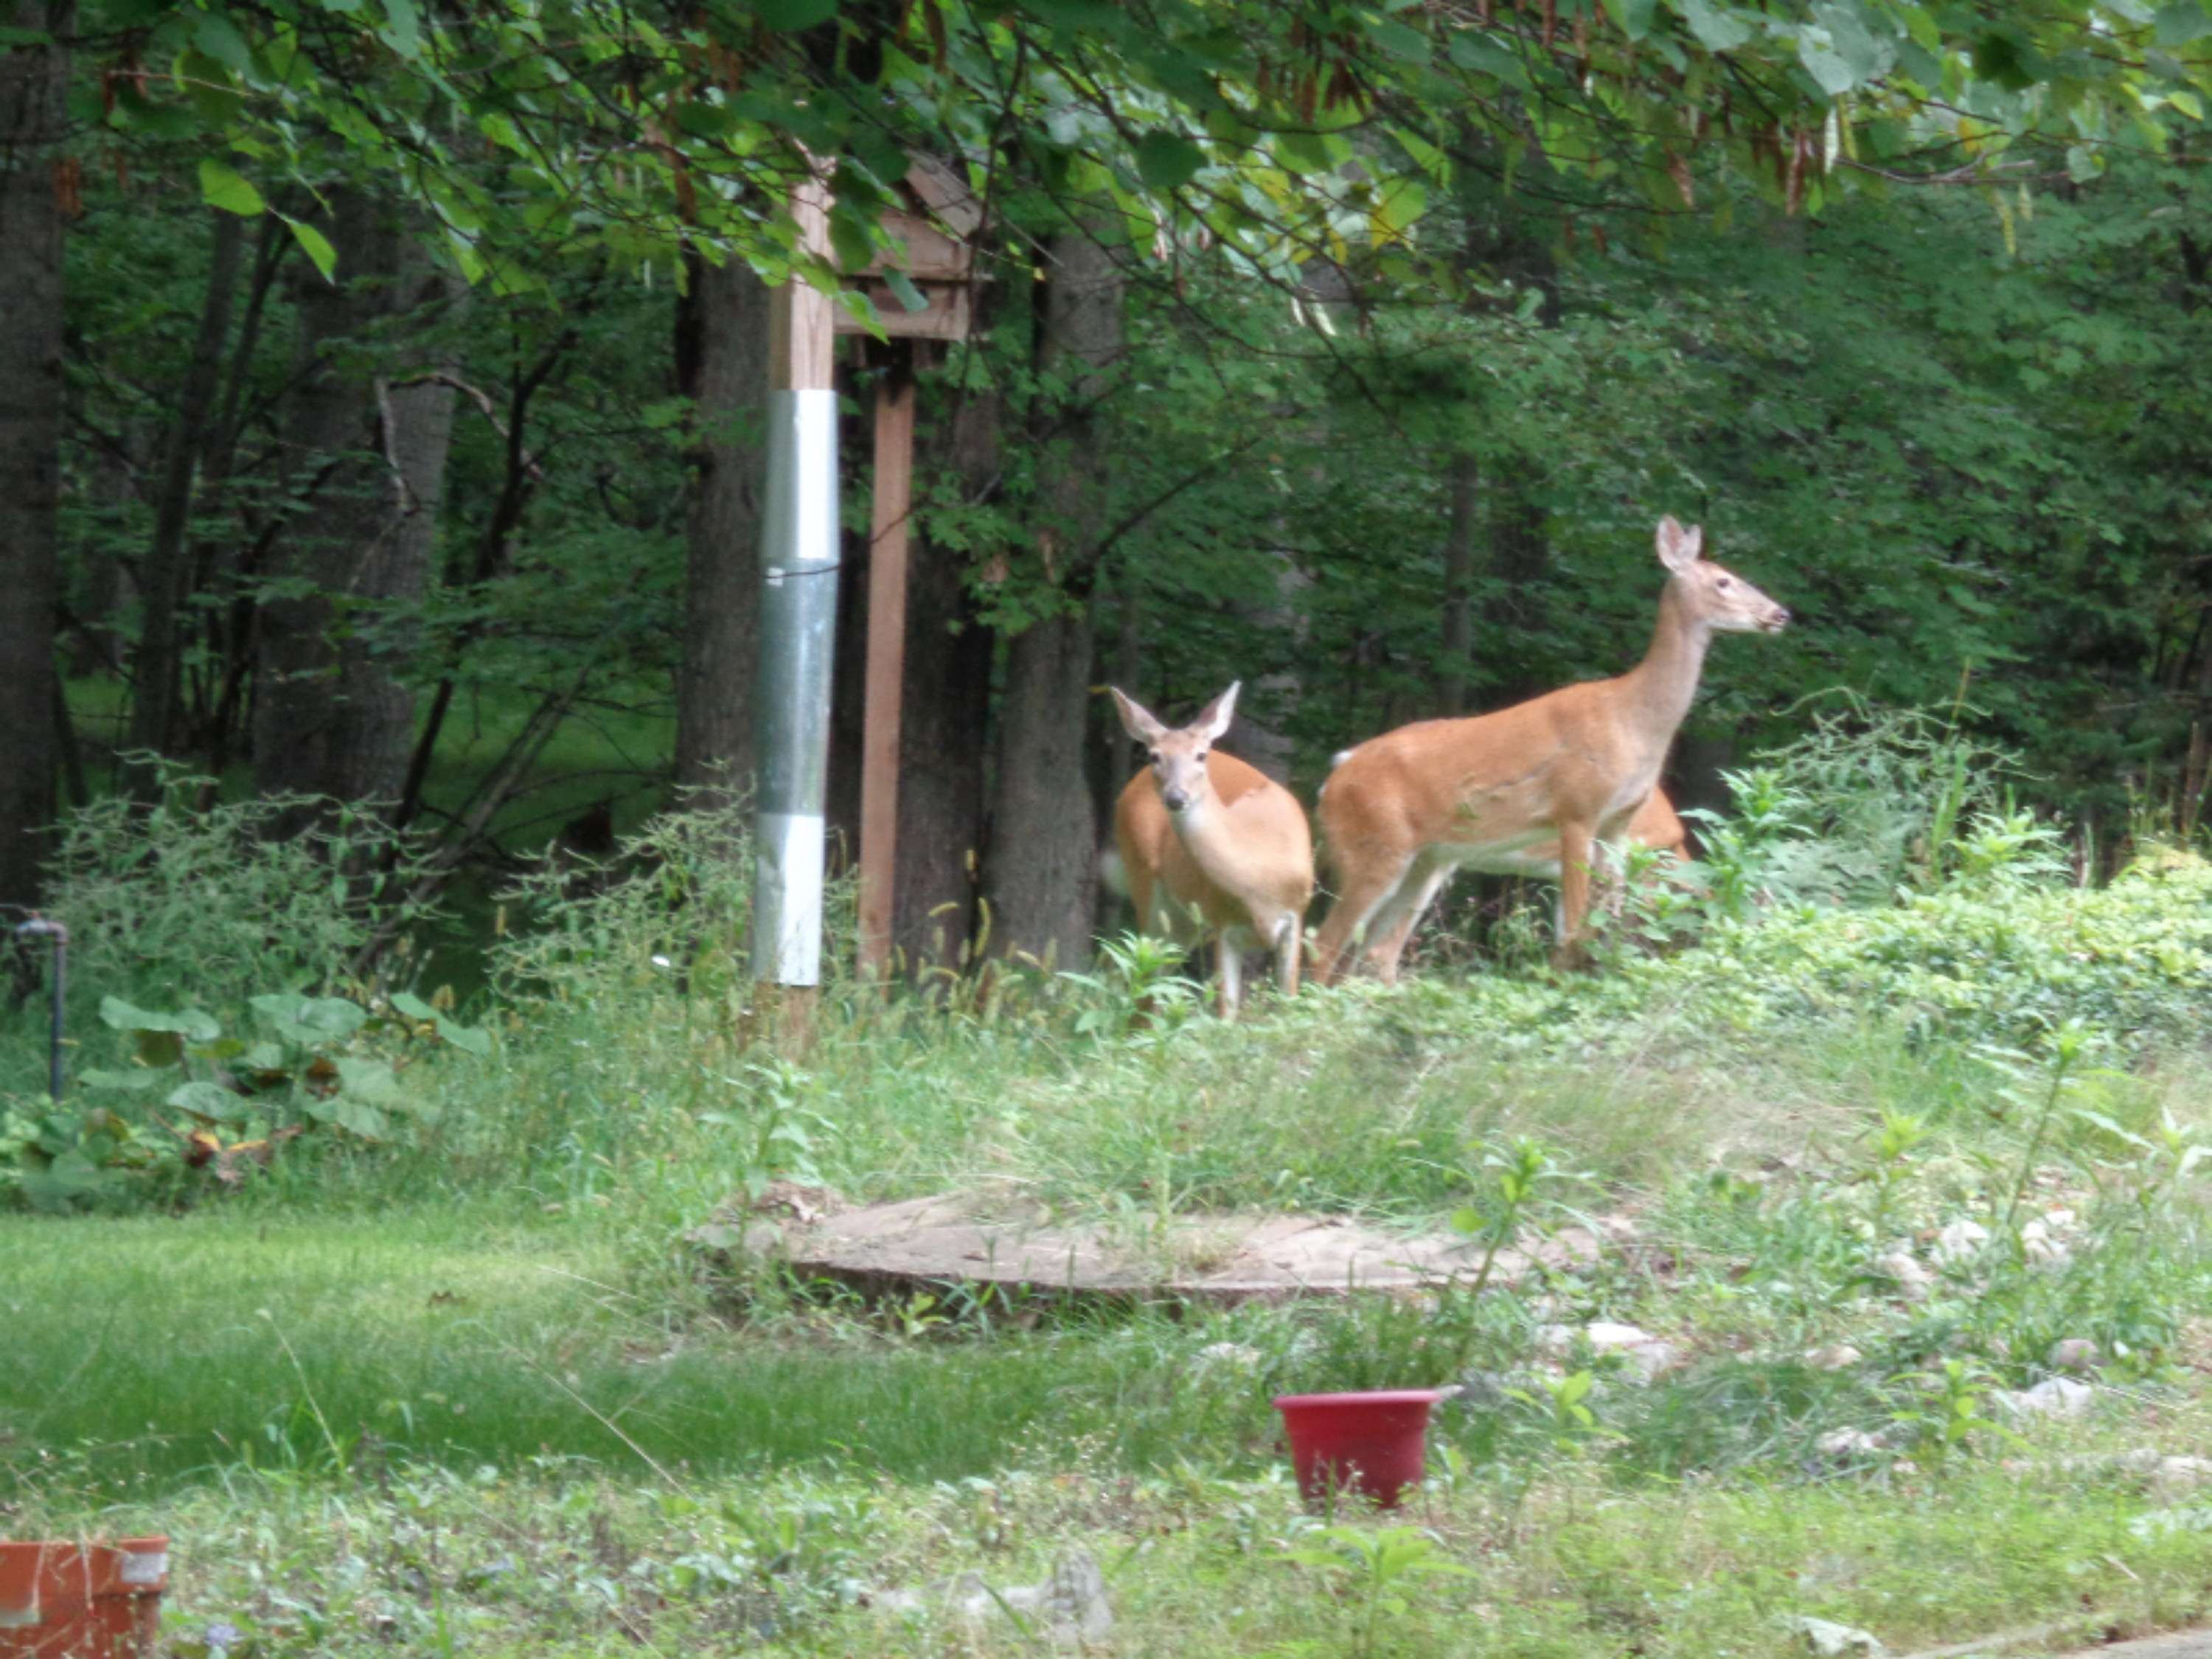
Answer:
[(61, 1599), (1369, 1443)]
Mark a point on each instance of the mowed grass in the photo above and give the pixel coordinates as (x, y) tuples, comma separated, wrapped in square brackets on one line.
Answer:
[(151, 1351)]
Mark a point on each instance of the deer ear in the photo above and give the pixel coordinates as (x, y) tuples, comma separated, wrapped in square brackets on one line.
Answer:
[(1213, 719), (1679, 548), (1136, 720)]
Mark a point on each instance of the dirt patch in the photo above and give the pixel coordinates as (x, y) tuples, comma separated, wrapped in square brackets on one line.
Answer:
[(987, 1238)]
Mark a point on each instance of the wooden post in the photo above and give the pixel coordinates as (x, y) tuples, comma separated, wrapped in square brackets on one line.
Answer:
[(799, 614), (887, 564)]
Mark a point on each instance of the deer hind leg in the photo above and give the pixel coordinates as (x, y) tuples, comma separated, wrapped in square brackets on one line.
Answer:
[(1389, 946), (1365, 890), (1233, 976)]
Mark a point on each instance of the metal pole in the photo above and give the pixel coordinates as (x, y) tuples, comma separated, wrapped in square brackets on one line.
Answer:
[(799, 621), (58, 936), (879, 743)]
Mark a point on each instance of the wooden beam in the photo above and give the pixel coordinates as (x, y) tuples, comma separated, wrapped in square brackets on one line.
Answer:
[(887, 569)]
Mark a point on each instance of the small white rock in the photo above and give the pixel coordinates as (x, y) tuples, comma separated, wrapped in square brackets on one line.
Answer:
[(1241, 1356), (1836, 1356), (1653, 1359), (2039, 1244), (1603, 1335), (1962, 1241), (2075, 1354), (2175, 1476), (2055, 1396), (1912, 1280), (1848, 1442), (1830, 1640)]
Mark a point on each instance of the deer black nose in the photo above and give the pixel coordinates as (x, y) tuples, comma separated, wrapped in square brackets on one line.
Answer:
[(1175, 798)]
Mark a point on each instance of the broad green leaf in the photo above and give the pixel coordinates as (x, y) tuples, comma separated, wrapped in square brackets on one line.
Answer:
[(910, 297), (1471, 49), (2188, 103), (365, 1119), (317, 246), (795, 14), (1400, 41), (414, 1007), (2180, 24), (1166, 160), (221, 187), (1718, 27), (467, 1038), (1824, 64), (403, 30), (195, 1024), (218, 37), (1634, 16), (207, 1100), (371, 1080), (136, 1081)]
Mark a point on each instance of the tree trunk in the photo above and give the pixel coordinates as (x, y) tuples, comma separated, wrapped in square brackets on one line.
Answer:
[(946, 717), (331, 718), (721, 354), (1041, 871), (167, 567), (1042, 874), (1458, 640), (32, 79)]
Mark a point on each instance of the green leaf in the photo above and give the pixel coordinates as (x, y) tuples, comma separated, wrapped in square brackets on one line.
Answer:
[(317, 246), (371, 1080), (195, 1024), (1471, 49), (1400, 40), (221, 187), (1826, 67), (311, 1019), (136, 1081), (207, 1100), (1634, 16), (1166, 160), (2180, 24), (366, 1121), (218, 37), (414, 1007), (2187, 103), (402, 31), (467, 1038), (1717, 28), (795, 14), (2083, 164), (911, 297)]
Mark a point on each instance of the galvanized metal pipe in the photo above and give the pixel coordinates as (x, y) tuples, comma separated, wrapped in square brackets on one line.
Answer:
[(798, 639)]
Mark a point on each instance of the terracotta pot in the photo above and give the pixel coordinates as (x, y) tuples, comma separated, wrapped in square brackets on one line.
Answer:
[(1374, 1444), (66, 1598)]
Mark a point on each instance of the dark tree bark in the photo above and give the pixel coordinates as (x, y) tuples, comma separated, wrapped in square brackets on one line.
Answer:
[(1041, 873), (721, 355), (167, 570), (1458, 631), (32, 125), (331, 718), (945, 719)]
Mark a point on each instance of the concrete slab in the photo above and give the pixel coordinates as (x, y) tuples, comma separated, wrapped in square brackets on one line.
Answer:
[(1006, 1240)]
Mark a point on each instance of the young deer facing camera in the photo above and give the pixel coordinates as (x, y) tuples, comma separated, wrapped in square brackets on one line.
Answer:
[(1568, 769), (1213, 846)]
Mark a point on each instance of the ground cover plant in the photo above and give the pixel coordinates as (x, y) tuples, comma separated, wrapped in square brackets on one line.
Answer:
[(1899, 1322)]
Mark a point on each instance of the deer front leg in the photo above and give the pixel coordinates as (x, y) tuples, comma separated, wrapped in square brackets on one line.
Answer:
[(1289, 942), (1575, 853), (1232, 976)]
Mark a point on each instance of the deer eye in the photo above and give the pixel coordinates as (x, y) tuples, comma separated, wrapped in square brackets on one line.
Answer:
[(1199, 754), (1724, 584), (1155, 755)]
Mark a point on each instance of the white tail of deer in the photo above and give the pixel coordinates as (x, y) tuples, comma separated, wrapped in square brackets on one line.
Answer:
[(1212, 846), (1540, 784)]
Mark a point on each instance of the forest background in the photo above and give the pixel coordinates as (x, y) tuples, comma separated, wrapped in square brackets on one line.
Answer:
[(384, 382)]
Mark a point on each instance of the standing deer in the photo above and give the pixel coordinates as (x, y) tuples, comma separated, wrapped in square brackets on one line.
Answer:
[(1211, 845), (1570, 768), (1654, 825)]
